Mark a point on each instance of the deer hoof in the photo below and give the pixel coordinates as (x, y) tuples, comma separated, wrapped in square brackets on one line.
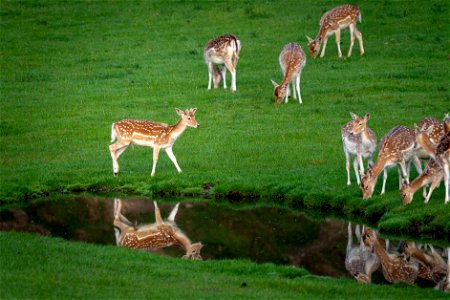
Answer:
[(115, 174)]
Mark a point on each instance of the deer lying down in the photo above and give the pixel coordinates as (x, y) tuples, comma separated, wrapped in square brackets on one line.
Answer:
[(154, 236)]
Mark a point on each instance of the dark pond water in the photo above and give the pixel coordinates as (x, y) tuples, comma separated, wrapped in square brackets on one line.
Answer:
[(260, 234)]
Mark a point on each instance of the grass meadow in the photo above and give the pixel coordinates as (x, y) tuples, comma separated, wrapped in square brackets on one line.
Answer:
[(71, 68)]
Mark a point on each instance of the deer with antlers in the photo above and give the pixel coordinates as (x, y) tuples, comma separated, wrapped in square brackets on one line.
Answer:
[(440, 153), (340, 17), (158, 235), (150, 134), (396, 148), (292, 61), (359, 141), (224, 50)]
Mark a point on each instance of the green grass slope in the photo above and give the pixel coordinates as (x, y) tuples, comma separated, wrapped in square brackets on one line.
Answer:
[(70, 69), (68, 270)]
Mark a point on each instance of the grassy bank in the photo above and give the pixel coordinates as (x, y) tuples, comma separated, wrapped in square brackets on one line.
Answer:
[(77, 270)]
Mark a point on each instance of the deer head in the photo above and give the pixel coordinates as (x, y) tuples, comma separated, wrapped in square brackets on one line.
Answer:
[(359, 124), (406, 194), (313, 46), (193, 251), (279, 92), (188, 117), (367, 183)]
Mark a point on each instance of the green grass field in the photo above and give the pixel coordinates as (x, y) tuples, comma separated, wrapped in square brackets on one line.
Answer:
[(70, 69)]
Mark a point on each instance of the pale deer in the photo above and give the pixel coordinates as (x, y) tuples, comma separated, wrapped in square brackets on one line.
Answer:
[(150, 134), (394, 267), (359, 141), (292, 61), (359, 259), (396, 148), (431, 264), (222, 50), (433, 174), (158, 235), (440, 152), (332, 22)]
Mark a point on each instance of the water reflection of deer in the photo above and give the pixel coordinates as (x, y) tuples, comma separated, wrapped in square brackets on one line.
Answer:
[(158, 235), (359, 259)]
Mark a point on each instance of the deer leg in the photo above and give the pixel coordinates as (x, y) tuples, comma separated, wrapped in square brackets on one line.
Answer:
[(433, 185), (404, 172), (338, 41), (232, 70), (217, 76), (158, 218), (360, 40), (224, 77), (173, 213), (173, 158), (385, 175), (352, 39), (116, 150), (350, 237), (361, 165), (210, 74), (324, 46), (347, 166), (297, 84), (355, 167), (446, 181), (155, 159)]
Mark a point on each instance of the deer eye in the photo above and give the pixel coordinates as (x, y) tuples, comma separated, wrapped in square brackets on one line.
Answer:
[(189, 118)]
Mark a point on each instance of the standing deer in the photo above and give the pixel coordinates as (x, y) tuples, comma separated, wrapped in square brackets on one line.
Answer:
[(224, 50), (431, 265), (160, 234), (360, 141), (440, 152), (292, 61), (332, 22), (150, 134), (433, 173), (396, 148), (359, 259)]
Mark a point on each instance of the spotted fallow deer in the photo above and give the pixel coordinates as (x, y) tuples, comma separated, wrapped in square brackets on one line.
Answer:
[(292, 61), (359, 259), (440, 152), (359, 141), (222, 50), (158, 235), (433, 174), (396, 148), (150, 134), (394, 267), (332, 22), (431, 264), (444, 284)]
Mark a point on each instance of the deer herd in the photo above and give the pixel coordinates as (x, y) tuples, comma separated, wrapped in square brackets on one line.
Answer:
[(429, 141)]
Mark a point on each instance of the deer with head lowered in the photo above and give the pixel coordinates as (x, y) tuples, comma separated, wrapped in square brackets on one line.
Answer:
[(224, 50), (158, 235), (396, 148), (292, 61), (440, 153), (332, 22), (360, 141), (150, 134)]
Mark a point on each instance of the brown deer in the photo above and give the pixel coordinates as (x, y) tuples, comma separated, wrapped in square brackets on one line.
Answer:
[(150, 134), (396, 148), (359, 259), (224, 50), (431, 265), (394, 267), (360, 141), (332, 22), (292, 61), (444, 284), (440, 152), (158, 235), (433, 174)]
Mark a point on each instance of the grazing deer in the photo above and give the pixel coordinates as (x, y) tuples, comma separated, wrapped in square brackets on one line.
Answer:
[(332, 22), (160, 234), (360, 141), (292, 61), (359, 259), (440, 152), (150, 134), (433, 173), (444, 284), (394, 267), (225, 50), (431, 265), (396, 148)]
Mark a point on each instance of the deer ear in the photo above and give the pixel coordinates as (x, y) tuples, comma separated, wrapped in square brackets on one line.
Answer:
[(354, 116), (309, 39), (179, 111), (274, 83), (367, 117), (193, 110)]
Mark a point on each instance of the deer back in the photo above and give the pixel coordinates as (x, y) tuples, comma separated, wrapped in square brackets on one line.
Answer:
[(398, 144), (292, 59), (339, 17), (221, 48)]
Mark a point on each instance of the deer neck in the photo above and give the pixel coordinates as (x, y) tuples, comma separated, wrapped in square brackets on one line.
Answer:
[(419, 182), (322, 34), (183, 240), (176, 130), (381, 253), (425, 143)]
